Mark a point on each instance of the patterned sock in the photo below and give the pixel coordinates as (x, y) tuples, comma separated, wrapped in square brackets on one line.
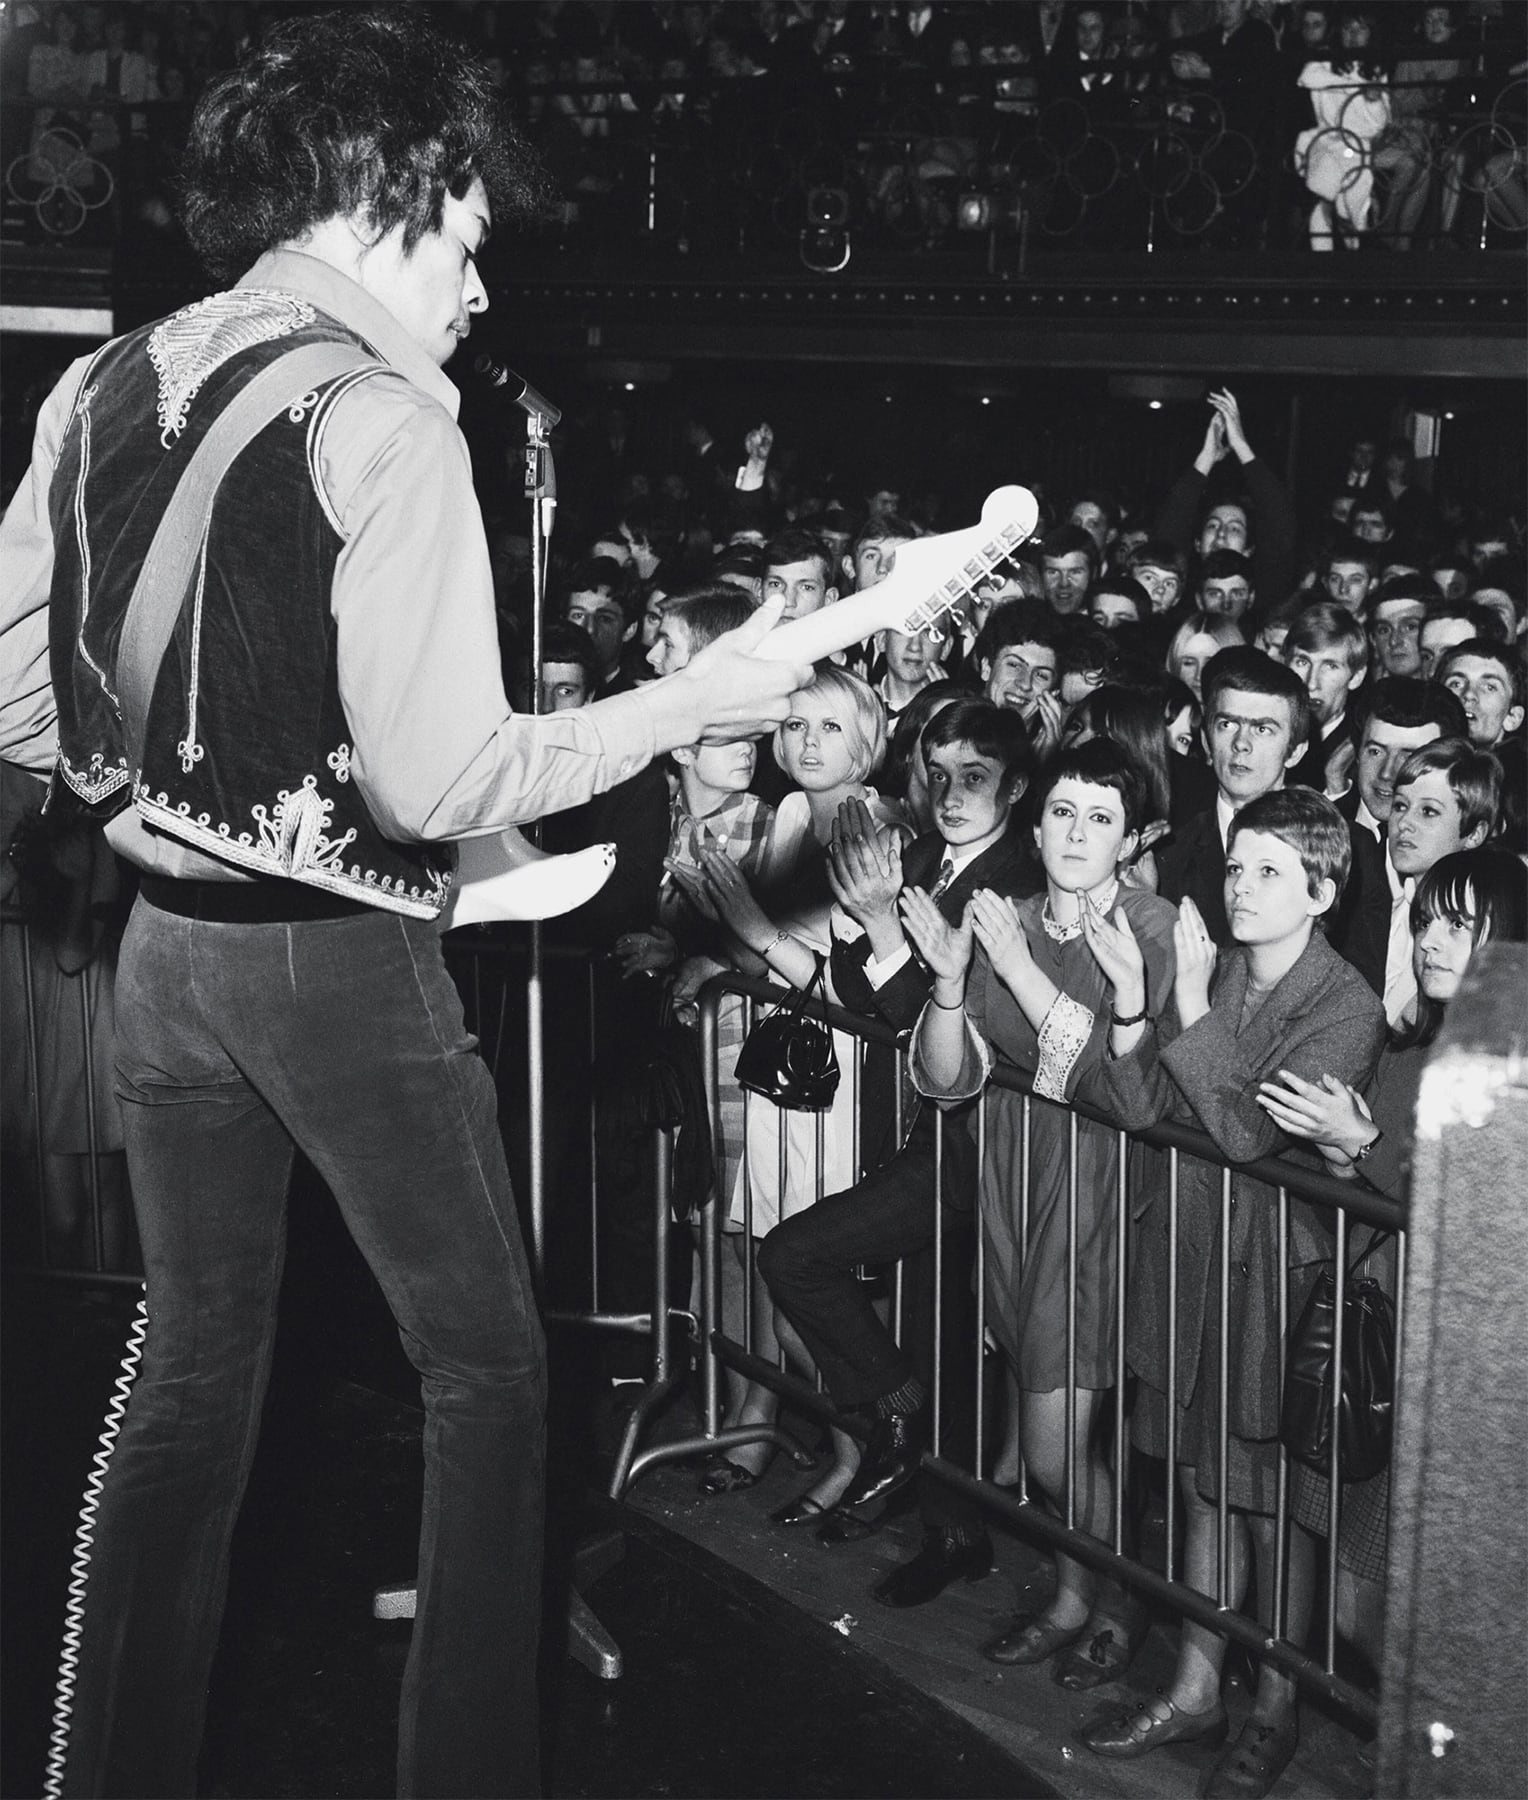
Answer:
[(902, 1402)]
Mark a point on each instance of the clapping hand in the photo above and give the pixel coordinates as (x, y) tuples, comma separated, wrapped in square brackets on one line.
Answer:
[(1228, 411), (995, 921), (1045, 716), (1118, 953), (864, 865), (1195, 952), (1214, 445), (1330, 1114), (946, 948)]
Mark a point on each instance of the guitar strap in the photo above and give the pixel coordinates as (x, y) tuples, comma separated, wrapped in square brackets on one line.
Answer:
[(149, 622)]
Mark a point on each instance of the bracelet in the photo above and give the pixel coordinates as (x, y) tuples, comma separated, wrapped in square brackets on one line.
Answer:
[(1365, 1149), (1139, 1018), (959, 1006), (782, 936)]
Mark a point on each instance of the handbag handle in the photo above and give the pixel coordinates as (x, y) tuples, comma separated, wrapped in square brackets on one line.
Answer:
[(149, 621)]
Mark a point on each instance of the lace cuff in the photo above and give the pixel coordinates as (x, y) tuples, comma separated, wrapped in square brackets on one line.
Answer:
[(1063, 1037)]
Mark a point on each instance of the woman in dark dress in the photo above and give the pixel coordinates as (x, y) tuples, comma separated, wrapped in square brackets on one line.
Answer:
[(1034, 996)]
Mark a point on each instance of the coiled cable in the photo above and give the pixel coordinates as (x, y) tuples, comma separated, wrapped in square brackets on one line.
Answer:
[(74, 1611)]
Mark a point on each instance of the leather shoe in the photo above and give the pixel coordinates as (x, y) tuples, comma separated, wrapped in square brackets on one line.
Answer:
[(940, 1561), (1255, 1761), (891, 1457), (1029, 1641), (1137, 1729), (841, 1527)]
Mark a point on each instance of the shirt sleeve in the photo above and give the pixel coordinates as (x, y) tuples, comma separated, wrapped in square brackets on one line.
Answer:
[(28, 716), (437, 752)]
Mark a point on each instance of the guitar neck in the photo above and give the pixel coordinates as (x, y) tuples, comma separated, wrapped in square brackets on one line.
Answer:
[(931, 579)]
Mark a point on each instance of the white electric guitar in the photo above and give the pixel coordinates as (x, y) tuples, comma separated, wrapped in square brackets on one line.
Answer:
[(502, 877)]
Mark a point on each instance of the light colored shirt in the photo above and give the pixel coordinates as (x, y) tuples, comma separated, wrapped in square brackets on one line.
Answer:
[(1400, 977), (437, 752)]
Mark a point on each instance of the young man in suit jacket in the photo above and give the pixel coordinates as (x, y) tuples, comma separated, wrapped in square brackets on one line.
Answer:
[(1257, 718), (979, 761)]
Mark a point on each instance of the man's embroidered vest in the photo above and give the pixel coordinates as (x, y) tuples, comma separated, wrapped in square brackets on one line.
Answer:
[(247, 751)]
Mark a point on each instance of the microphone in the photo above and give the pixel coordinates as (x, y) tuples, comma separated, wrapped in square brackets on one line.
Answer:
[(500, 375)]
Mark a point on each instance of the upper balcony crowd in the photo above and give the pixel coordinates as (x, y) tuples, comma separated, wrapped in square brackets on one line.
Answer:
[(1231, 125)]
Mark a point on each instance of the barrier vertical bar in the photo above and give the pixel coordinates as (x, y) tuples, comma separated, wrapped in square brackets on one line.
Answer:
[(1223, 1504), (1071, 1321), (981, 1287), (536, 1099), (1024, 1159), (663, 1165), (1121, 1228), (1334, 1455), (938, 1280), (896, 1277), (594, 1159), (710, 1230), (1172, 1357), (1281, 1492)]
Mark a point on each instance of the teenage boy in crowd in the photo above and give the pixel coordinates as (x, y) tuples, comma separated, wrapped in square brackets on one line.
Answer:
[(1017, 655), (1256, 723), (1070, 561), (1260, 526), (1348, 573), (604, 600), (1395, 613), (906, 662), (1487, 680), (690, 620), (1327, 649), (798, 569), (979, 762), (1450, 622), (1225, 584)]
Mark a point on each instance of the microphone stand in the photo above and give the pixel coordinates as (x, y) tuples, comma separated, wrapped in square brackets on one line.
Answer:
[(588, 1641), (541, 491)]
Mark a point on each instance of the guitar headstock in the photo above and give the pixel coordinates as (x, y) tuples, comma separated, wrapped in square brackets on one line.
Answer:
[(956, 563)]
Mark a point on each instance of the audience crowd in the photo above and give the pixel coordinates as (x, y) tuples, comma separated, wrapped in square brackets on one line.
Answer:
[(1240, 123), (1194, 811), (1199, 815)]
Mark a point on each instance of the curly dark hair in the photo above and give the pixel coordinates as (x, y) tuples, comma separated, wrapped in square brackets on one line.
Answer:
[(374, 114)]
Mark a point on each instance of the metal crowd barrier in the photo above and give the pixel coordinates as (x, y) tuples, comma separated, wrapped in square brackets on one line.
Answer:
[(1026, 1517)]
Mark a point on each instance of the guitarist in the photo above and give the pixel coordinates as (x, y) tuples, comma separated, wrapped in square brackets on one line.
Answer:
[(329, 715)]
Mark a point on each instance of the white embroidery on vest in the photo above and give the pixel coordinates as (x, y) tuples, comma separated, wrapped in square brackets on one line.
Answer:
[(339, 761), (293, 831), (195, 342)]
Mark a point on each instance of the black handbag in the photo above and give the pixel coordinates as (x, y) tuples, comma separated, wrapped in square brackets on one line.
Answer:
[(1366, 1408), (788, 1057)]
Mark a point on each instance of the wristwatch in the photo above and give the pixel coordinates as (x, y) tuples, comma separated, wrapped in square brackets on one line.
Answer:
[(1360, 1154)]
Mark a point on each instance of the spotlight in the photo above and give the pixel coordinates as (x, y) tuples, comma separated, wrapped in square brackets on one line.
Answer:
[(1155, 405)]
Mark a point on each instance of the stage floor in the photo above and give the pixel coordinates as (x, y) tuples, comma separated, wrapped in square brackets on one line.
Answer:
[(756, 1661)]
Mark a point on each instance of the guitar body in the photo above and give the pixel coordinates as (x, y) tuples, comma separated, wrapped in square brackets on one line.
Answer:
[(502, 877)]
